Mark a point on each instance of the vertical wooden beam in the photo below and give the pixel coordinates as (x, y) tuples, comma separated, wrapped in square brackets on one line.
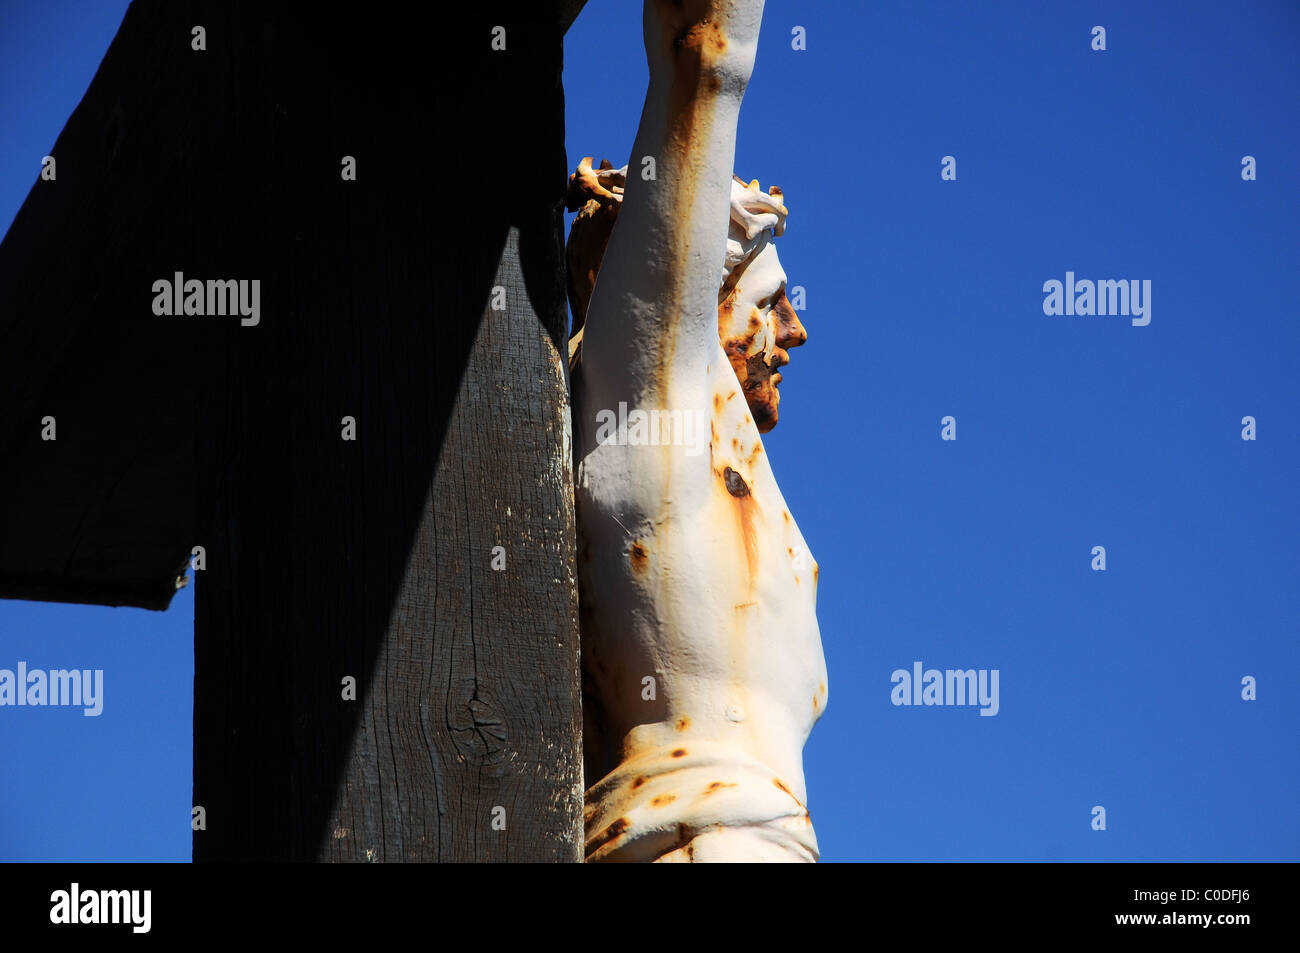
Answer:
[(326, 559), (372, 558)]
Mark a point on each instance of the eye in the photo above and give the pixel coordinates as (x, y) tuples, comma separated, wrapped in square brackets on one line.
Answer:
[(771, 300)]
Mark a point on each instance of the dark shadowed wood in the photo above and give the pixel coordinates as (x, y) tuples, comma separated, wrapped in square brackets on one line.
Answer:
[(329, 558), (102, 514)]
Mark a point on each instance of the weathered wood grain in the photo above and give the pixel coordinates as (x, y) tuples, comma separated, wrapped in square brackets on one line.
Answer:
[(325, 558)]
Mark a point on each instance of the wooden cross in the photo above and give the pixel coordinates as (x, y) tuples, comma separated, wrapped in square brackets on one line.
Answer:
[(431, 556)]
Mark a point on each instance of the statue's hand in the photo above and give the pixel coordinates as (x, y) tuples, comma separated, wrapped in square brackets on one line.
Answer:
[(699, 38), (603, 184)]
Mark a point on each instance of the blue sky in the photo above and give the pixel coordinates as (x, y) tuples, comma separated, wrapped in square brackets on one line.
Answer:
[(1119, 688)]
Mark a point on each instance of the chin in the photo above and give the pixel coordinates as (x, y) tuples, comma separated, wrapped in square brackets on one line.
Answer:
[(763, 407)]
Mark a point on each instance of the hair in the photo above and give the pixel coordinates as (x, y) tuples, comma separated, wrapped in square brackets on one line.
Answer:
[(597, 195)]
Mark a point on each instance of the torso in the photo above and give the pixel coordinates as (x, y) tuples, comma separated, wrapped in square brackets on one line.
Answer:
[(692, 571)]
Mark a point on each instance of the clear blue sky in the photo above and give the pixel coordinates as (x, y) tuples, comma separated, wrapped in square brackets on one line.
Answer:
[(924, 299)]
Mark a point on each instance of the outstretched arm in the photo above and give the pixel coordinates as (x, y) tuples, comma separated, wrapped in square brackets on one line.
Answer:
[(651, 327)]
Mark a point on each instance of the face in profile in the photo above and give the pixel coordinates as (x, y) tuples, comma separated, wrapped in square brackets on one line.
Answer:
[(756, 323), (757, 327)]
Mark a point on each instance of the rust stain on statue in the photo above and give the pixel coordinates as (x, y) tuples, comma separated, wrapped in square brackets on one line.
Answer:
[(745, 528), (736, 484), (639, 555), (613, 832), (746, 533), (781, 785), (697, 43), (790, 331), (706, 37), (725, 309)]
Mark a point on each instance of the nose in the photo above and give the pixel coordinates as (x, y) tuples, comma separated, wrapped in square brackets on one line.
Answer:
[(789, 329)]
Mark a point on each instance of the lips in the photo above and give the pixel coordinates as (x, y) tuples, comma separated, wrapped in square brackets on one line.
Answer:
[(780, 358)]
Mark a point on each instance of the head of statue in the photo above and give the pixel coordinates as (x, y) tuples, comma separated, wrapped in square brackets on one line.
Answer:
[(756, 324)]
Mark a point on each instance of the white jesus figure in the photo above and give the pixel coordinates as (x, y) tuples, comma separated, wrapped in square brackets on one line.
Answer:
[(703, 670)]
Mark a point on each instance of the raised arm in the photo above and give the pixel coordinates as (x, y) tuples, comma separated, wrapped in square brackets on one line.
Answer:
[(652, 322)]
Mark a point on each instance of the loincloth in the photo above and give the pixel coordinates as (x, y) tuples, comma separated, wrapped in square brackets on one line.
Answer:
[(706, 803)]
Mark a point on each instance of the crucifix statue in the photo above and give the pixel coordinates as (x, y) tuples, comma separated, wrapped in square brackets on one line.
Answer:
[(703, 670), (377, 470)]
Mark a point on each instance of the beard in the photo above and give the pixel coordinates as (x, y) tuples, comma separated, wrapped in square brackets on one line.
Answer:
[(761, 395)]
